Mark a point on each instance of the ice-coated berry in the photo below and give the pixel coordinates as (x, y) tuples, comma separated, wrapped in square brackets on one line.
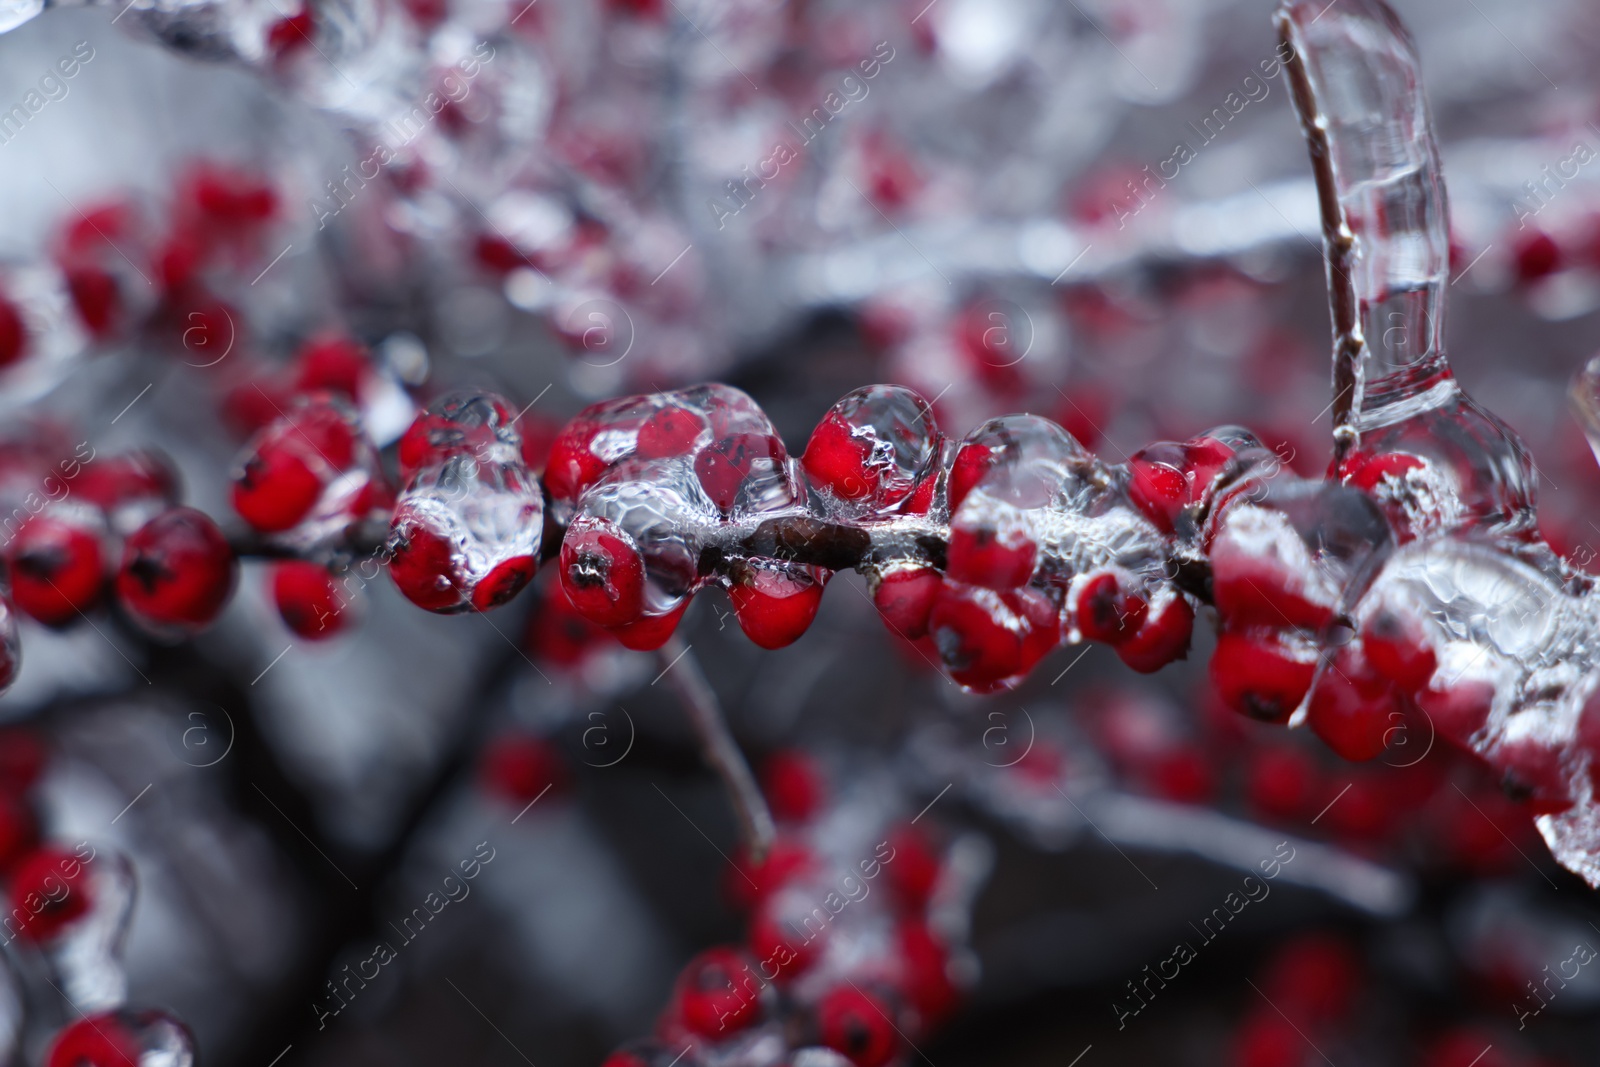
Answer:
[(57, 569), (309, 599), (717, 994), (994, 559), (1353, 708), (775, 602), (1262, 673), (793, 785), (602, 572), (50, 890), (873, 446), (466, 530), (13, 332), (904, 596), (857, 1024), (177, 572), (989, 640), (1162, 638), (1105, 611)]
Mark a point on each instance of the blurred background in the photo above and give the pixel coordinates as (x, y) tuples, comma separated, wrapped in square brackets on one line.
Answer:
[(1100, 211)]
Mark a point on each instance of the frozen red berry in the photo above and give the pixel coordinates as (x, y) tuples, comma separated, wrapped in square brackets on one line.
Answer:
[(904, 597), (1105, 611), (602, 572), (308, 599), (717, 994), (1397, 649), (724, 467), (839, 460), (994, 559), (671, 431), (177, 572), (13, 332), (971, 464), (1262, 674), (1162, 637), (1353, 709), (856, 1023), (57, 570), (520, 768), (987, 639), (49, 891), (793, 785), (775, 603), (273, 492)]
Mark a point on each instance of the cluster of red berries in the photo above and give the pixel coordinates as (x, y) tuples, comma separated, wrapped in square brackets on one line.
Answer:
[(110, 528), (845, 948)]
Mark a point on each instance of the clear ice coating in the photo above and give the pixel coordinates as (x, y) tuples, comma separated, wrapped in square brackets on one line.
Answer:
[(468, 525), (1489, 632)]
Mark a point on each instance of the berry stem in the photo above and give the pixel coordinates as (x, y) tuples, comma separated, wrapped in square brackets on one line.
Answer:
[(721, 751)]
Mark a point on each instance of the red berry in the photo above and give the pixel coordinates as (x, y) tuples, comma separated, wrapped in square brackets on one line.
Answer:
[(1537, 256), (927, 977), (1252, 587), (1353, 708), (914, 868), (718, 993), (97, 297), (573, 467), (503, 582), (987, 638), (308, 599), (57, 572), (838, 460), (1267, 1039), (1397, 649), (19, 831), (520, 768), (747, 884), (905, 597), (724, 467), (782, 939), (970, 465), (95, 1041), (49, 891), (1161, 639), (1105, 612), (1532, 774), (1158, 488), (13, 333), (775, 603), (1314, 979), (177, 572), (671, 431), (332, 363), (422, 566), (276, 488), (857, 1024), (1457, 711), (602, 572), (1262, 674), (650, 632), (1281, 783), (22, 759), (793, 785), (981, 555), (1204, 458)]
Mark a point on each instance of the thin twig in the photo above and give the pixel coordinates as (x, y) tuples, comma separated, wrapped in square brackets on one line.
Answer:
[(1350, 346), (682, 671)]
